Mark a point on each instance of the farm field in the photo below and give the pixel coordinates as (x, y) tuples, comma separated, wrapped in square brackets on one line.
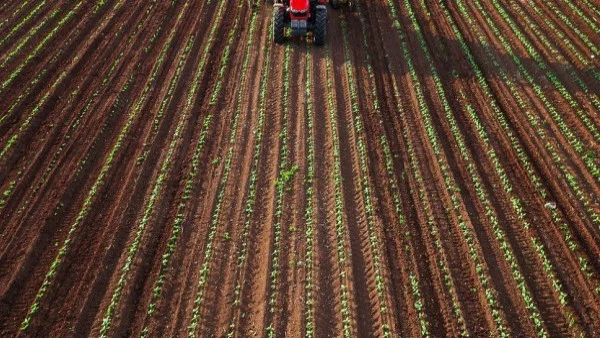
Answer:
[(433, 170)]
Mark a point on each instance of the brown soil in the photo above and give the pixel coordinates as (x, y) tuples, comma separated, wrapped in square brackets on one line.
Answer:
[(161, 240)]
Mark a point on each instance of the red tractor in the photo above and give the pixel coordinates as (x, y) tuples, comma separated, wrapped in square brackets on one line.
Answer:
[(301, 17)]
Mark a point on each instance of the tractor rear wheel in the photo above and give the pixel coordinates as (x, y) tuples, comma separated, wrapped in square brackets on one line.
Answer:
[(321, 27), (278, 24)]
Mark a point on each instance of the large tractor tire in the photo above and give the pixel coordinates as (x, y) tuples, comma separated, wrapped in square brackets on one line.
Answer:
[(335, 4), (278, 24), (321, 26)]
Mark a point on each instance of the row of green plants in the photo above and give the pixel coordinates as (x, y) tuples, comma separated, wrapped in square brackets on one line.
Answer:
[(516, 203), (414, 289), (309, 214), (573, 139), (465, 226), (414, 163), (365, 184), (344, 256), (24, 21), (48, 92), (592, 7), (73, 127), (214, 227), (34, 53), (565, 19), (180, 218), (280, 187), (242, 253), (566, 64), (562, 39), (591, 22), (514, 140), (535, 120), (149, 207), (14, 14), (98, 183), (550, 74)]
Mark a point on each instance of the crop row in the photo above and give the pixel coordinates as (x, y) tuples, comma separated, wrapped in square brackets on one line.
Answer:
[(80, 116), (21, 24), (495, 108), (164, 169), (553, 51), (515, 202), (536, 123), (39, 46), (280, 190), (12, 140), (365, 185), (108, 162), (15, 12), (571, 137), (343, 256), (560, 37), (551, 75), (565, 19), (309, 214), (435, 144), (242, 254), (589, 21), (213, 228), (465, 226), (188, 186)]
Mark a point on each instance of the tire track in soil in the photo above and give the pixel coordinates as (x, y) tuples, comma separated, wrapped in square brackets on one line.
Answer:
[(367, 134), (368, 323), (326, 265)]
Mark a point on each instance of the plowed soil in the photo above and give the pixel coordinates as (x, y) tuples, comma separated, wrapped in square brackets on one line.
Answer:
[(167, 170)]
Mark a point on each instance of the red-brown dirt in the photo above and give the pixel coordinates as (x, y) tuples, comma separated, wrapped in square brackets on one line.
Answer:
[(167, 170)]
